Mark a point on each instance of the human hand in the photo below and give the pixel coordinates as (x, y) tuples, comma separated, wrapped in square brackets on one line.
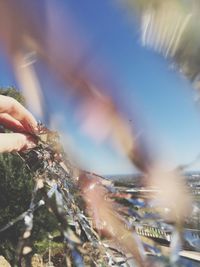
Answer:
[(15, 117)]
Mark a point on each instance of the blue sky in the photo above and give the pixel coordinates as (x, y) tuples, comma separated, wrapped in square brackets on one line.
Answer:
[(163, 100)]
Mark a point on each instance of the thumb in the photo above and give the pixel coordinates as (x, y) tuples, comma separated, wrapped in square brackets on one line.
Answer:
[(10, 142)]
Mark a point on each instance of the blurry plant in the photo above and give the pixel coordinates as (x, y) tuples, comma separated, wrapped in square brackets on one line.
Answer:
[(172, 29), (29, 44)]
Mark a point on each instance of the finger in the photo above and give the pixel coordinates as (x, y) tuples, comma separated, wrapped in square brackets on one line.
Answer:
[(10, 142), (11, 123), (16, 110)]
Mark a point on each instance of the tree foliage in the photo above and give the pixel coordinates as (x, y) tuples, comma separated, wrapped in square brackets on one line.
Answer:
[(16, 185)]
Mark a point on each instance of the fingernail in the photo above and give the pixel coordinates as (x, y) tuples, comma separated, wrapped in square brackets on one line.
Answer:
[(33, 128), (30, 145)]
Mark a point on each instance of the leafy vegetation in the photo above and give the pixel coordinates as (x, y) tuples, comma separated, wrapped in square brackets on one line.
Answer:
[(16, 185)]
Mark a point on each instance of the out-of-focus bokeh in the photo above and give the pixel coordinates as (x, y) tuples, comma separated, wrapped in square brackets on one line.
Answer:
[(116, 75), (44, 38), (171, 28), (52, 54), (79, 65), (55, 61)]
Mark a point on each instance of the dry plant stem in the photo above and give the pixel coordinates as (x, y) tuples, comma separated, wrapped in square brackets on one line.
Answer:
[(106, 219)]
